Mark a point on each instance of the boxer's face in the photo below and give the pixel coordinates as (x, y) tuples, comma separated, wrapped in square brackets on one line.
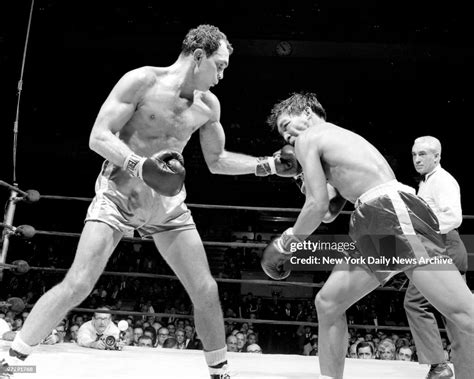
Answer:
[(424, 158), (210, 70), (291, 125)]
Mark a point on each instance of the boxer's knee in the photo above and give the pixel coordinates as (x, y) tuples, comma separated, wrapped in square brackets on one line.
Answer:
[(78, 285), (206, 294), (463, 318), (327, 307)]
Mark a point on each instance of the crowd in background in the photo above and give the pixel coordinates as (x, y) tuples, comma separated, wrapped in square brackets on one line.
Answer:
[(165, 296)]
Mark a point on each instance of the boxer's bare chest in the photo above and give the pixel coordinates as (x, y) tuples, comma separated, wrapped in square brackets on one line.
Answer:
[(163, 120)]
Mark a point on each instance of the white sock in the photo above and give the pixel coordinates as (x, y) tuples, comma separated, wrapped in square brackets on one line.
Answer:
[(215, 357), (326, 377), (19, 345)]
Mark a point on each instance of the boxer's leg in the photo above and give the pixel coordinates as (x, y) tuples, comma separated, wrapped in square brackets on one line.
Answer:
[(445, 288), (96, 244), (184, 252), (346, 284)]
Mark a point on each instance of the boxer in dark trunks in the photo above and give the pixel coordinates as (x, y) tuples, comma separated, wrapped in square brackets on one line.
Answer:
[(385, 210)]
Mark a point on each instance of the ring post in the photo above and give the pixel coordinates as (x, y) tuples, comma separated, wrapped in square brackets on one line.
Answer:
[(8, 219)]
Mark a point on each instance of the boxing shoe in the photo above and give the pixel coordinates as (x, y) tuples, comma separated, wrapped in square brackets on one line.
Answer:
[(220, 373), (440, 371)]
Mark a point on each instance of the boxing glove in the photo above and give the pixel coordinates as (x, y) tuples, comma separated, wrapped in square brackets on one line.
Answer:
[(277, 253), (282, 163), (164, 172)]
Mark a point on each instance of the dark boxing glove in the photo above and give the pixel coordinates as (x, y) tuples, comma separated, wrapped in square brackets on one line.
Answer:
[(283, 163), (164, 172), (277, 253)]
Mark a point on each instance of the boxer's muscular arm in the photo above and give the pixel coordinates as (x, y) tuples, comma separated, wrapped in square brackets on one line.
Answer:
[(317, 200), (117, 109), (212, 138)]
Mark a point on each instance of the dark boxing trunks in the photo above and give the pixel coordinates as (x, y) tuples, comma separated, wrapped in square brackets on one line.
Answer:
[(395, 230)]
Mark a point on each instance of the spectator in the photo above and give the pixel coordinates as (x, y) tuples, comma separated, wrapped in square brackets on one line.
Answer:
[(180, 339), (137, 333), (93, 333), (71, 335), (251, 338), (150, 332), (311, 345), (386, 350), (171, 329), (241, 341), (404, 353), (128, 337), (17, 323), (365, 350), (145, 341), (352, 351), (402, 342), (163, 334), (254, 348), (79, 320), (287, 312), (5, 330), (232, 343), (170, 343), (304, 335), (190, 336), (156, 325), (56, 335)]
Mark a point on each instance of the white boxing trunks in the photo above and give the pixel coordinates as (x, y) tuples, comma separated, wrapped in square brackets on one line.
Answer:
[(126, 203)]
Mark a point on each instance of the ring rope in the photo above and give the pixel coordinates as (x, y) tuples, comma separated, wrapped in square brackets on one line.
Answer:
[(172, 277), (139, 239), (215, 206), (241, 320), (192, 205), (13, 188)]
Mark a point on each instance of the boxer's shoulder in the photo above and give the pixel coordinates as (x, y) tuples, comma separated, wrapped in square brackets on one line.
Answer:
[(209, 102), (147, 76)]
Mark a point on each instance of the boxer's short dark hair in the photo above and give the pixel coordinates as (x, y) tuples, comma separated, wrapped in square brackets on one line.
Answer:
[(206, 37), (295, 105)]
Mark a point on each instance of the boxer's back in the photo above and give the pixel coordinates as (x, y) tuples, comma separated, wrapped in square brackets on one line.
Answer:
[(351, 163)]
